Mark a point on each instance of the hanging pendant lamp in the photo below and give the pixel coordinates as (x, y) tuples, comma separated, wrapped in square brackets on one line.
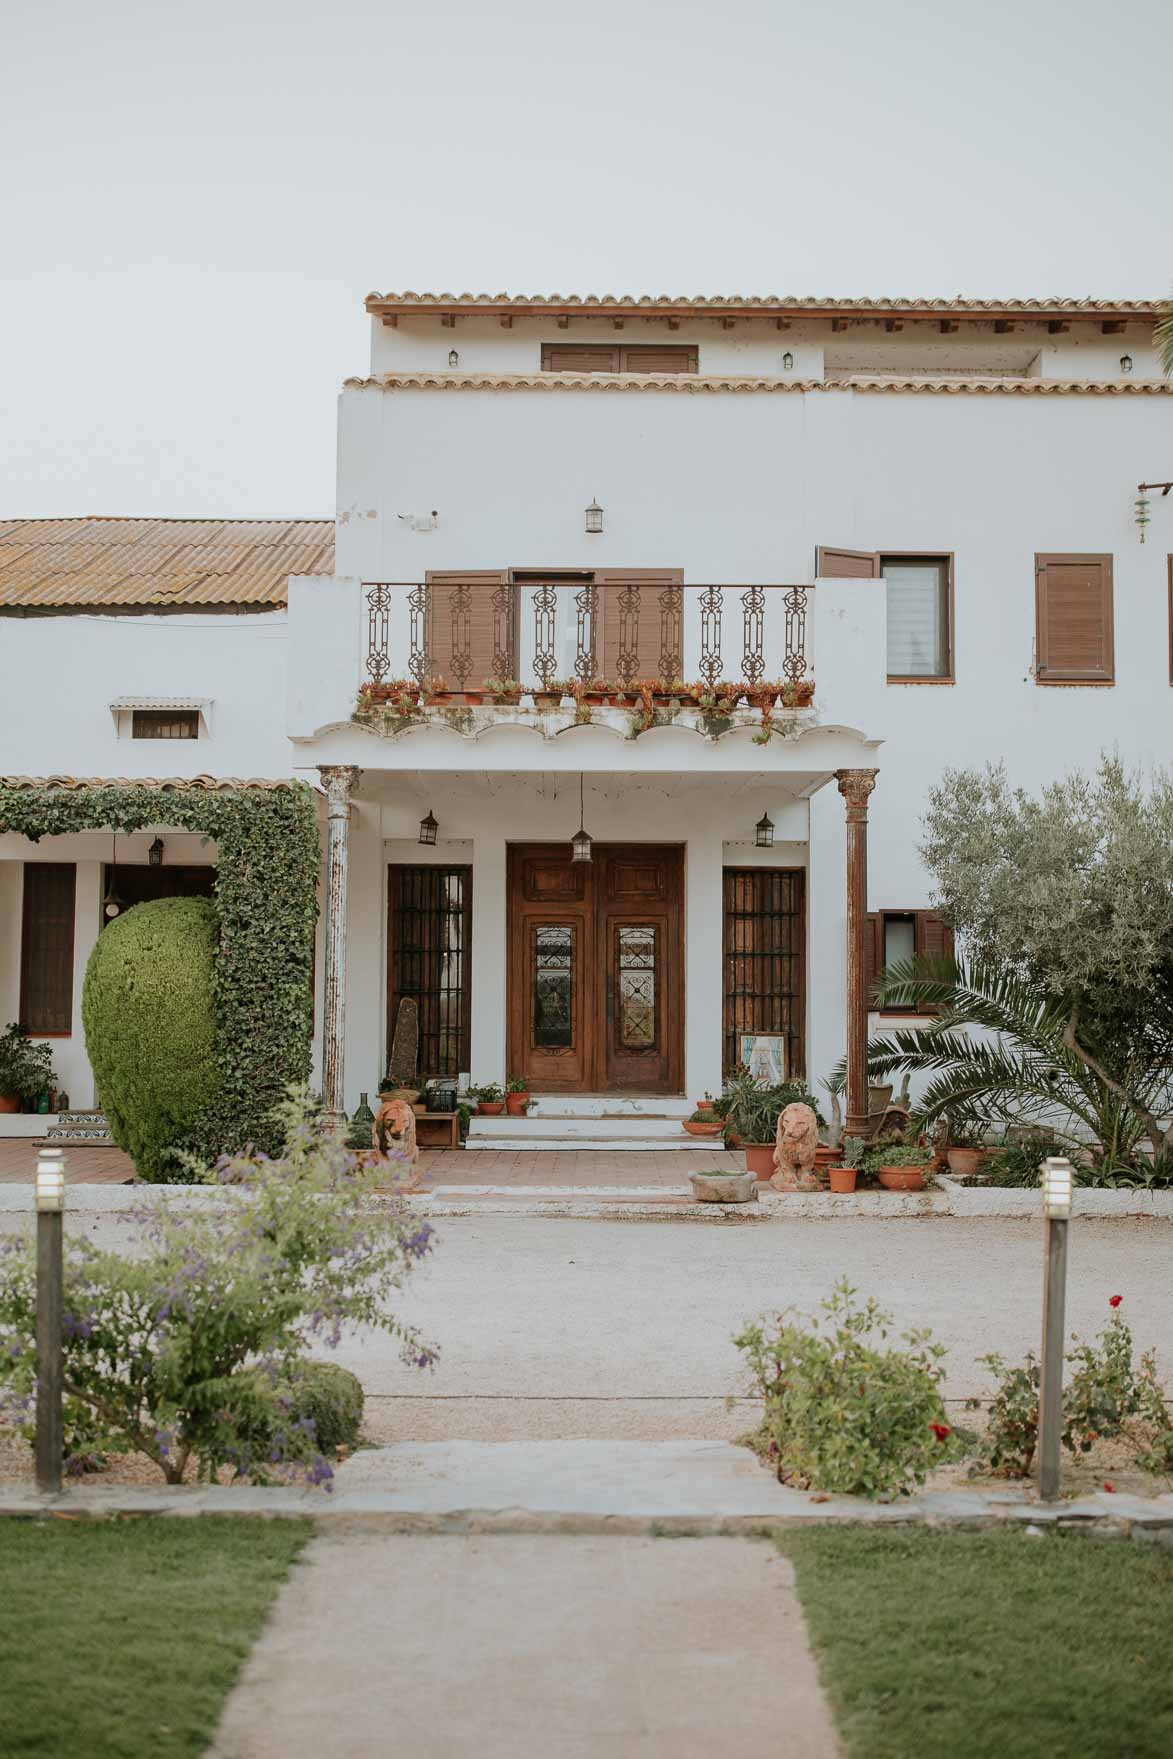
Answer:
[(112, 903), (580, 843)]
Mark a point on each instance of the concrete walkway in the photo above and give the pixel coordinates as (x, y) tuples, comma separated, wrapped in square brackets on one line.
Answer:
[(518, 1646)]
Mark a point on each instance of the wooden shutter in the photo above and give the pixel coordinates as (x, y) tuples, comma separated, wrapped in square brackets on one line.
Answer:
[(1073, 620), (471, 628), (934, 940), (847, 564), (1170, 619), (46, 949), (644, 638), (658, 358), (583, 357)]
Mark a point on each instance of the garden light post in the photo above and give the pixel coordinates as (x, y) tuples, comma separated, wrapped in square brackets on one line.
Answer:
[(50, 1188), (1056, 1181)]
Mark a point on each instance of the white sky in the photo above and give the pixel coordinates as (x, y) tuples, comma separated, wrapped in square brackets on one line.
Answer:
[(195, 198)]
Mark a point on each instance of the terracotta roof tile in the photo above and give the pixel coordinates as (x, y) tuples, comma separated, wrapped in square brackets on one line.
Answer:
[(140, 563), (204, 784), (698, 384), (760, 305)]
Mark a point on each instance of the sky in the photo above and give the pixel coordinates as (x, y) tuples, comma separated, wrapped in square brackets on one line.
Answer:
[(194, 200)]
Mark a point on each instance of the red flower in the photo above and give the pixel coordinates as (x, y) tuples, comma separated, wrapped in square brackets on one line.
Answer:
[(1109, 1487), (1115, 1300), (940, 1430)]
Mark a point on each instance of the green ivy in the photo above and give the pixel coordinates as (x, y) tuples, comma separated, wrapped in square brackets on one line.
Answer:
[(266, 897)]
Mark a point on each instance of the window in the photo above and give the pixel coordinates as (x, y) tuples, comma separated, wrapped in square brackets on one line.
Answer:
[(601, 357), (919, 593), (46, 948), (896, 936), (1073, 620), (429, 958), (764, 980), (169, 723)]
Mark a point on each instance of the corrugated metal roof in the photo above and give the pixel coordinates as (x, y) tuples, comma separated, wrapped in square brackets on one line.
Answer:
[(142, 563)]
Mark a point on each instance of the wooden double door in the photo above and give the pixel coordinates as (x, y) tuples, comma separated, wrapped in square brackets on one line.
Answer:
[(596, 989)]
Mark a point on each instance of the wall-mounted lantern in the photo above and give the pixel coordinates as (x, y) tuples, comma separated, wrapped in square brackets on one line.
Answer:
[(428, 828), (155, 852), (787, 361), (453, 357), (594, 517), (1126, 363), (763, 832)]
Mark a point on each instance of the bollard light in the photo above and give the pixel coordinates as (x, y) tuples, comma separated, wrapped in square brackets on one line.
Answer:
[(50, 1181), (1056, 1181)]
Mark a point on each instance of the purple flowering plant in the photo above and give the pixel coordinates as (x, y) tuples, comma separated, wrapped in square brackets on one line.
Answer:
[(197, 1345)]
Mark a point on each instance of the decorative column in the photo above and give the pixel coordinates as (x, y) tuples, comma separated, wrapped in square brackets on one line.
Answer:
[(338, 780), (855, 787)]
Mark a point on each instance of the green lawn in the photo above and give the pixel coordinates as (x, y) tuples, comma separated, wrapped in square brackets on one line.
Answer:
[(970, 1645), (120, 1639)]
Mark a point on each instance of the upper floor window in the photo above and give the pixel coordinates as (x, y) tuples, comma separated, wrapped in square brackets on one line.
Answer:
[(601, 357), (919, 593), (1073, 620), (151, 723)]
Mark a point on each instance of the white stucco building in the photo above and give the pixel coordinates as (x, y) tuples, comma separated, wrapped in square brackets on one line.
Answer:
[(925, 507)]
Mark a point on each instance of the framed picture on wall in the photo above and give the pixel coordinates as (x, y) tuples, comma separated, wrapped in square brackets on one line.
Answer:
[(764, 1055)]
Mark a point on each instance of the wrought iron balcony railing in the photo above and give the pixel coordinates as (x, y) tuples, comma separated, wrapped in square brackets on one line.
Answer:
[(467, 629)]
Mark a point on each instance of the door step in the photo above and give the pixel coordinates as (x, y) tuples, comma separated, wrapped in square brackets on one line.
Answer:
[(593, 1144), (92, 1127), (608, 1105)]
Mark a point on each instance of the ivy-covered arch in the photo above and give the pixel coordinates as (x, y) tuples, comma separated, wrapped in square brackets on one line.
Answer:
[(266, 835)]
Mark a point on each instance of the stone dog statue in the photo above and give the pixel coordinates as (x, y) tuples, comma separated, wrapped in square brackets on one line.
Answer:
[(393, 1135), (795, 1147)]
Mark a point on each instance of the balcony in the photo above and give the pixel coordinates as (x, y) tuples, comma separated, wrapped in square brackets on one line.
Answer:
[(450, 635)]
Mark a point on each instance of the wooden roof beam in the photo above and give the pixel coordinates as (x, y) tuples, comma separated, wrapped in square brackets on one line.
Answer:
[(1111, 327), (506, 320), (1058, 327), (948, 326), (448, 320), (1004, 326), (891, 324), (838, 324), (564, 322), (390, 319)]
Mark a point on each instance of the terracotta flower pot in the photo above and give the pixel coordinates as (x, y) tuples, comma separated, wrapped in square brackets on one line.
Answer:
[(516, 1103), (703, 1105), (703, 1127), (825, 1157), (545, 700), (902, 1178), (759, 1159), (841, 1179), (965, 1161), (490, 1108), (9, 1102)]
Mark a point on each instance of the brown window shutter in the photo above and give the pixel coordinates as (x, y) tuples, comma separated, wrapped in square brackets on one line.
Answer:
[(934, 940), (471, 628), (639, 635), (1170, 560), (585, 357), (1073, 619), (847, 564), (46, 949), (658, 359), (874, 953)]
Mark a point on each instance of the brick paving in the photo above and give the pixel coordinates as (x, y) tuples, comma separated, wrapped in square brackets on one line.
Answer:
[(665, 1169)]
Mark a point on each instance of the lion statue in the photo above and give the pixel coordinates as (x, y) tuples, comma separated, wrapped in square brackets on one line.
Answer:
[(795, 1147)]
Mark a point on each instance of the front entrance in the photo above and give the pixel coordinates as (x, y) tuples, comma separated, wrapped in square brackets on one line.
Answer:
[(596, 988)]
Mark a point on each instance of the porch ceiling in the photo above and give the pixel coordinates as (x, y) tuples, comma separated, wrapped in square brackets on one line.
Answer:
[(478, 787)]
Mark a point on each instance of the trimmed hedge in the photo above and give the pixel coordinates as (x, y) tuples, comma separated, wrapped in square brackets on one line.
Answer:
[(266, 898), (150, 1028)]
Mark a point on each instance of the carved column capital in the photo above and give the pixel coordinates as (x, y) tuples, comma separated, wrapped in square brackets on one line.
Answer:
[(856, 786), (339, 780)]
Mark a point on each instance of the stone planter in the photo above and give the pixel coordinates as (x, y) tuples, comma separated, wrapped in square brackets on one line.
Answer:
[(759, 1159), (902, 1178), (724, 1187)]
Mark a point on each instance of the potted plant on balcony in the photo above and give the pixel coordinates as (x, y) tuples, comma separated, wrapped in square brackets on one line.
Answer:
[(490, 1100), (841, 1178), (517, 1096), (548, 695), (591, 692), (899, 1168), (505, 692), (26, 1070)]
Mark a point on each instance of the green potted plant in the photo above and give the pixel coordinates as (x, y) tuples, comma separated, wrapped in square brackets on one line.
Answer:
[(26, 1070), (751, 1114), (506, 692), (490, 1099), (841, 1178), (966, 1149), (516, 1096), (899, 1168)]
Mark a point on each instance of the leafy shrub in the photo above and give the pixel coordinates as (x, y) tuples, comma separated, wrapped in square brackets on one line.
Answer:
[(1016, 1164), (898, 1154), (26, 1069), (150, 1028), (182, 1351), (843, 1413), (1105, 1398)]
